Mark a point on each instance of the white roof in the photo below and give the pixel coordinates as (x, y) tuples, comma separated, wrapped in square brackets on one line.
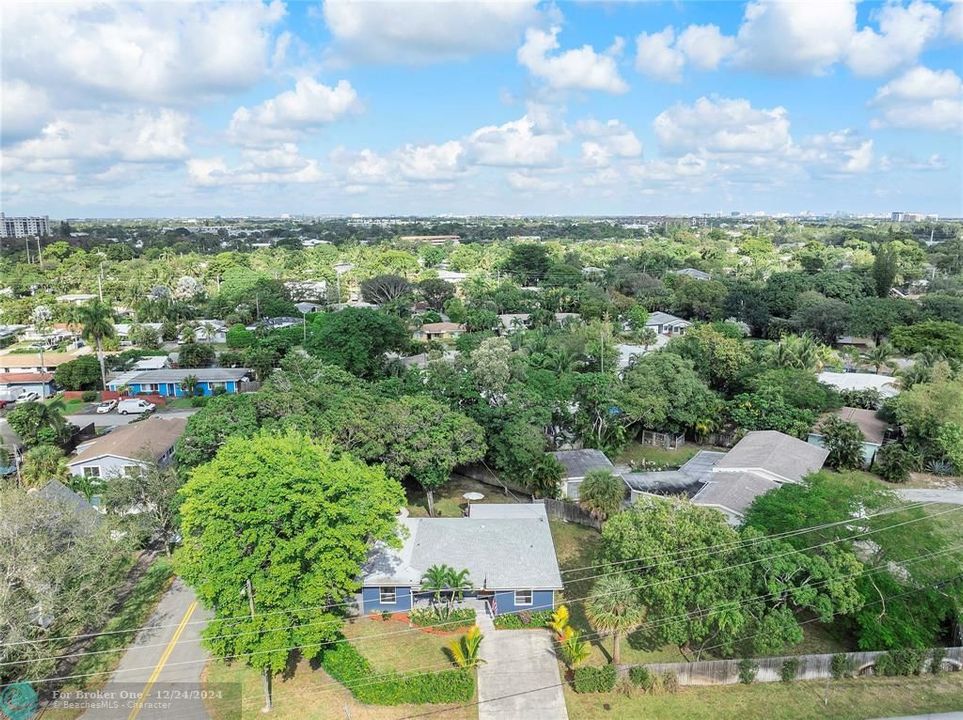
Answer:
[(885, 384), (151, 362)]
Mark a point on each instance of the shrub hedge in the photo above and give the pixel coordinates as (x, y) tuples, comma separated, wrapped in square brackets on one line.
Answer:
[(346, 665), (747, 671), (840, 666), (523, 620), (595, 679), (641, 677), (908, 661), (789, 670), (457, 618)]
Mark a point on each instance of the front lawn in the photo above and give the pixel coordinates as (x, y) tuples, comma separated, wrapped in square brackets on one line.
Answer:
[(308, 692), (857, 699)]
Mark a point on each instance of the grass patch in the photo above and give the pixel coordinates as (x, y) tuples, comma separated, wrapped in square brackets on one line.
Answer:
[(636, 452), (309, 694), (179, 404), (449, 501), (409, 648), (841, 700), (133, 614)]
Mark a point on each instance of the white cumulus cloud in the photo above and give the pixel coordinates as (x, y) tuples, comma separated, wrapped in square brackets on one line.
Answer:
[(425, 31), (720, 125), (309, 105), (903, 33), (922, 99), (578, 69)]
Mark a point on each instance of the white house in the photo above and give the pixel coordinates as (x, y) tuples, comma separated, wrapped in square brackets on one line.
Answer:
[(667, 324), (885, 385), (126, 448)]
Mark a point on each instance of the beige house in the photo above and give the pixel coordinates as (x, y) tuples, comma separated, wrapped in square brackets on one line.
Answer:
[(439, 331)]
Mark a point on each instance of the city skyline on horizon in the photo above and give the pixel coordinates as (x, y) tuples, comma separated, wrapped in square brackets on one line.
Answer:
[(516, 108)]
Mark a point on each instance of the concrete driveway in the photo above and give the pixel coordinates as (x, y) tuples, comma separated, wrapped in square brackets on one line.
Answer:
[(519, 678), (950, 497)]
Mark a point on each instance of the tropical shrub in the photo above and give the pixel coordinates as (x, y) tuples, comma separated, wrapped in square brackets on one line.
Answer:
[(844, 440), (523, 620), (429, 617), (641, 677), (573, 649), (747, 671), (789, 669), (88, 395), (841, 666), (602, 494), (595, 679), (905, 661), (464, 651), (893, 463)]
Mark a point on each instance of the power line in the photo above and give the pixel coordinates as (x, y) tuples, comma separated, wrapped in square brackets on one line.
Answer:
[(652, 584), (658, 623)]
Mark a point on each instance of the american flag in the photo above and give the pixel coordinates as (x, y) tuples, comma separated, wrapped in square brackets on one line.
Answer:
[(494, 606)]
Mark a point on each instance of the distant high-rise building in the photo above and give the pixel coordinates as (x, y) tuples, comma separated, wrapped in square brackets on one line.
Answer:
[(18, 227), (901, 217)]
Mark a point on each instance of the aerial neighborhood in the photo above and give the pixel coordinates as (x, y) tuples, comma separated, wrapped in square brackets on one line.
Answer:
[(560, 462)]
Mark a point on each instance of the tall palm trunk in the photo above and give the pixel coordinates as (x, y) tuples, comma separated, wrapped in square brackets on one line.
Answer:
[(616, 648)]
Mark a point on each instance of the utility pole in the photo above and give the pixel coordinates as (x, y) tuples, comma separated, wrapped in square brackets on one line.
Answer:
[(26, 244), (267, 671), (39, 251), (100, 281)]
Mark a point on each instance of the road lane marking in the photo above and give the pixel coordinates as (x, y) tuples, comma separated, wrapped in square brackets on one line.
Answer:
[(163, 660)]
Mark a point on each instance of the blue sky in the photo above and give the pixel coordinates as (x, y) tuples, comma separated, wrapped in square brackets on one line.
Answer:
[(338, 107)]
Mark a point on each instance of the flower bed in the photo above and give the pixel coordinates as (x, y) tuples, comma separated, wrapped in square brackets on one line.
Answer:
[(523, 620)]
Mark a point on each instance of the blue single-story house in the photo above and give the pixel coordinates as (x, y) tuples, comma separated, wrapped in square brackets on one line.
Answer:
[(170, 383), (506, 549)]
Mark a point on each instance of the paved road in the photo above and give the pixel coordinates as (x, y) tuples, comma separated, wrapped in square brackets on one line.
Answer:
[(114, 419), (165, 660), (950, 497), (519, 678)]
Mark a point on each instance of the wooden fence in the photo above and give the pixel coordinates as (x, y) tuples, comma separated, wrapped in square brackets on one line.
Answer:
[(569, 512), (811, 667)]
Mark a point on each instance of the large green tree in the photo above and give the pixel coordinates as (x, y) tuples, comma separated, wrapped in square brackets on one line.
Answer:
[(207, 430), (356, 339), (275, 530), (80, 374), (938, 336)]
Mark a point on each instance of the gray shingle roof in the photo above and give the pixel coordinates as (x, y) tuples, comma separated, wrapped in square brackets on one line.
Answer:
[(661, 318), (498, 552), (733, 491), (152, 437), (775, 453), (873, 429), (579, 463), (56, 491), (665, 482)]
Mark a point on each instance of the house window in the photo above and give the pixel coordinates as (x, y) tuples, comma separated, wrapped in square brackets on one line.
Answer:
[(387, 595), (523, 597), (92, 471)]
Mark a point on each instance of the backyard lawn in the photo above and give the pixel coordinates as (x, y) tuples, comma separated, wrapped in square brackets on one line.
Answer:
[(841, 700), (635, 452), (449, 501), (393, 645)]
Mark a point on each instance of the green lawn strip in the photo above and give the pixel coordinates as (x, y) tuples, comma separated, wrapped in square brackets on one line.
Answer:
[(134, 612), (857, 699), (635, 452)]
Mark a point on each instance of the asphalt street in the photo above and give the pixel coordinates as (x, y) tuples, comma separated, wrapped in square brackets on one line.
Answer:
[(114, 419)]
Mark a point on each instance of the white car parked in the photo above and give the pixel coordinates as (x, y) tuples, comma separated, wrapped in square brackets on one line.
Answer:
[(106, 406), (29, 396), (134, 405)]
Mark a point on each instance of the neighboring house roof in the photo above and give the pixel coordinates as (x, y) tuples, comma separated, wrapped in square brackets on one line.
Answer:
[(775, 453), (885, 384), (56, 491), (123, 329), (442, 327), (151, 362), (561, 317), (663, 482), (664, 318), (498, 552), (452, 276), (25, 378), (16, 360), (854, 340), (512, 320), (693, 273), (733, 491), (178, 375), (873, 429), (153, 437), (579, 463)]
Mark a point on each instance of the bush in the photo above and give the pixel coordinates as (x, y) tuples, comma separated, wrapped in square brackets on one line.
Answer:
[(346, 665), (747, 671), (595, 679), (456, 618), (936, 660), (789, 670), (906, 661), (670, 683), (89, 395), (239, 336), (523, 620), (841, 666), (893, 463), (641, 677), (199, 401)]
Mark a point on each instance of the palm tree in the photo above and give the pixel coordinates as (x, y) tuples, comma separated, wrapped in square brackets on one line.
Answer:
[(435, 580), (189, 383), (97, 324), (42, 464), (459, 581), (880, 355), (614, 609), (465, 652)]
